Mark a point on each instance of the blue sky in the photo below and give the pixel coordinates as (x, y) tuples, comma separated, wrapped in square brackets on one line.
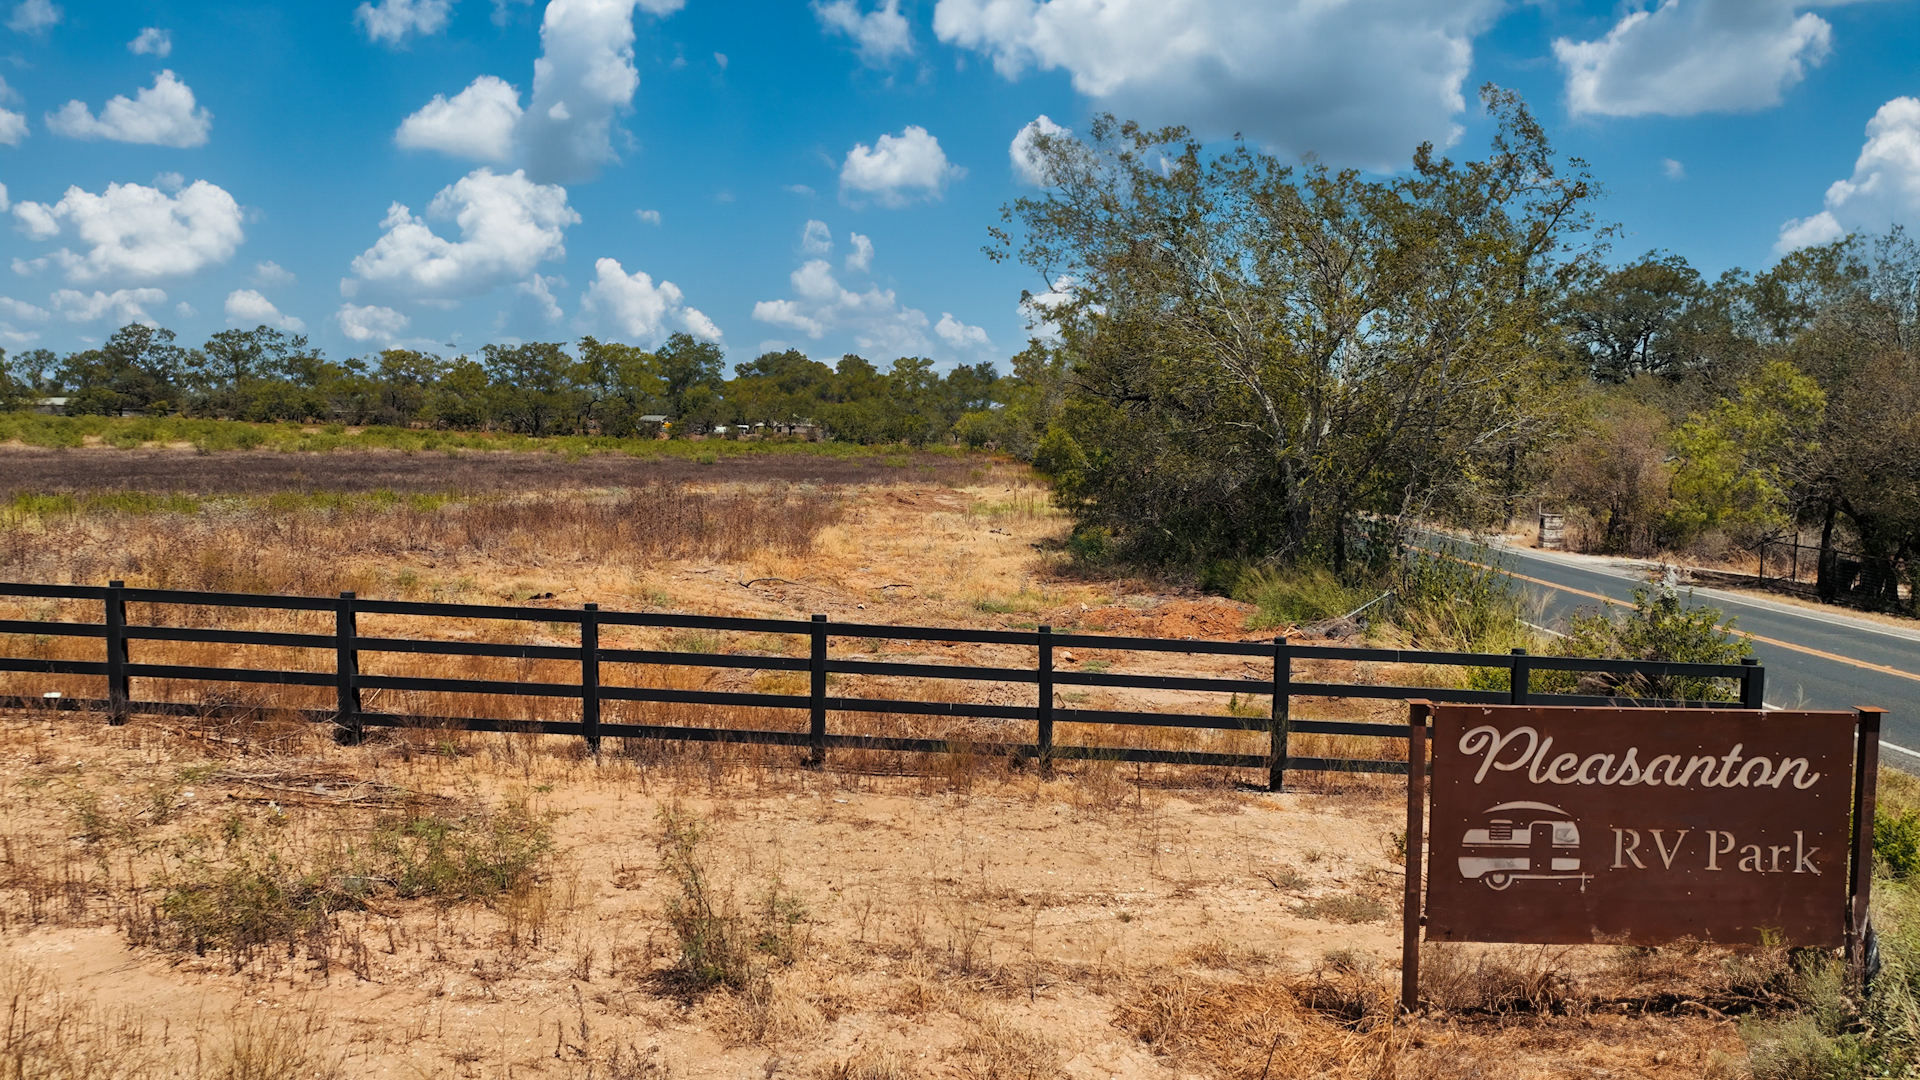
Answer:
[(445, 173)]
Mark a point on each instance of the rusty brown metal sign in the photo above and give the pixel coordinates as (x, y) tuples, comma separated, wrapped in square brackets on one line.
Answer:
[(1639, 826)]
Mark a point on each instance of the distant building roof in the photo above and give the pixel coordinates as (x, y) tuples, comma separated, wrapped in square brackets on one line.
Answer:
[(654, 418)]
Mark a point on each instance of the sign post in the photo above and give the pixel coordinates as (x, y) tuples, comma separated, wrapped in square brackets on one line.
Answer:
[(1411, 918), (1638, 826)]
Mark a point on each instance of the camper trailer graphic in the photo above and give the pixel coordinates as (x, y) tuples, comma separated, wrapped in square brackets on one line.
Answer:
[(1523, 840)]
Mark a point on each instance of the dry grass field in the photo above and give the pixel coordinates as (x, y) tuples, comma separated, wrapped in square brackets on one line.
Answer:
[(242, 898)]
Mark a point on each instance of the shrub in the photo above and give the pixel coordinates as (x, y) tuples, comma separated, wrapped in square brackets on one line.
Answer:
[(1091, 544), (719, 946), (1660, 625), (1896, 840)]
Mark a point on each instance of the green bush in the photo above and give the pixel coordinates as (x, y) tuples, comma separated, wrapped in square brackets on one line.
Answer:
[(1091, 544), (1896, 840), (1659, 625)]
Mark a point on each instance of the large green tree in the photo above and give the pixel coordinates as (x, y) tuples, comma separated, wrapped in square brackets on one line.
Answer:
[(138, 369), (1262, 355)]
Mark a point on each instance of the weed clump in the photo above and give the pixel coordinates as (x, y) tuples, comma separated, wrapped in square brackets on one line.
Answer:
[(721, 946), (1342, 908), (257, 893)]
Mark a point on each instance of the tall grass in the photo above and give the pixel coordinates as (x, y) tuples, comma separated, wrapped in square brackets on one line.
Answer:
[(1449, 598), (321, 542)]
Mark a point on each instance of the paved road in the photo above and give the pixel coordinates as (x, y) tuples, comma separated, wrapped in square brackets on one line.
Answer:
[(1814, 659)]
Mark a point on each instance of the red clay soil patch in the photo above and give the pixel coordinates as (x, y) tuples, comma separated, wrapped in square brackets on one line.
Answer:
[(1209, 619)]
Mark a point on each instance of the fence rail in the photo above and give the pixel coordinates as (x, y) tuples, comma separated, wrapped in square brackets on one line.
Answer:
[(351, 719)]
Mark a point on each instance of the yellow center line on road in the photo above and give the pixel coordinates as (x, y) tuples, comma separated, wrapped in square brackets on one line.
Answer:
[(1881, 668)]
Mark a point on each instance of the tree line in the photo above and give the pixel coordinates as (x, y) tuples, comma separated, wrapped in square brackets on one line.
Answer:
[(540, 388)]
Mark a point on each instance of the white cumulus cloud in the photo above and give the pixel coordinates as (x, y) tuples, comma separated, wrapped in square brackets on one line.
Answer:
[(879, 35), (271, 274), (861, 257), (875, 318), (959, 334), (152, 41), (36, 220), (508, 225), (632, 307), (136, 233), (394, 20), (121, 305), (1673, 169), (21, 311), (245, 307), (34, 16), (1027, 167), (1885, 186), (898, 169), (648, 217), (13, 127), (583, 81), (1037, 308), (816, 238), (1693, 56), (1361, 82), (532, 307), (369, 323), (163, 114), (13, 312), (476, 123)]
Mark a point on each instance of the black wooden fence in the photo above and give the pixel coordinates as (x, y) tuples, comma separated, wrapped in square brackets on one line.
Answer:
[(119, 667)]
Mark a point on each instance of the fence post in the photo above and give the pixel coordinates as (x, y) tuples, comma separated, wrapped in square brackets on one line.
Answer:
[(1522, 675), (1044, 710), (1282, 714), (817, 728), (590, 678), (117, 693), (346, 666), (1866, 786), (1753, 684)]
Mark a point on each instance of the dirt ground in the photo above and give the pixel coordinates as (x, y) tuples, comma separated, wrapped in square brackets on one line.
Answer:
[(895, 916)]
